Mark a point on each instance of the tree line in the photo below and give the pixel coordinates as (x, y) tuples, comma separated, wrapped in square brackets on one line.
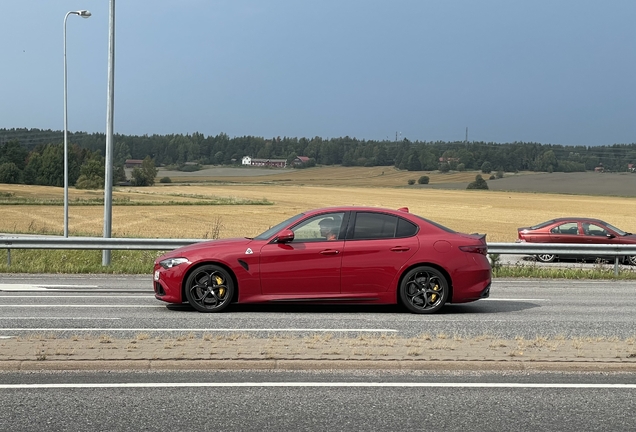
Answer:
[(35, 156)]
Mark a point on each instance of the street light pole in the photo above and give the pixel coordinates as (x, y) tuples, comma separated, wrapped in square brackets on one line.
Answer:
[(83, 14), (108, 166)]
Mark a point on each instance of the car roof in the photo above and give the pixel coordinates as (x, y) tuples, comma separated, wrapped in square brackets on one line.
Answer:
[(578, 219), (356, 208)]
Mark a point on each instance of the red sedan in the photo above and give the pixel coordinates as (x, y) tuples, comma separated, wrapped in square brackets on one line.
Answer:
[(357, 255), (576, 230)]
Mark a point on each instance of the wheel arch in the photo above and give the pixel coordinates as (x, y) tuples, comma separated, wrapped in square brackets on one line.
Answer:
[(216, 263), (436, 267)]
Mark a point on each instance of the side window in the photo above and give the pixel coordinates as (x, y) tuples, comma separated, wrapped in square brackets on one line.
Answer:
[(374, 226), (596, 230), (324, 227), (405, 228), (566, 228)]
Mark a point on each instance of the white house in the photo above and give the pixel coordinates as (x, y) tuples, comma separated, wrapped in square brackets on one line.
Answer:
[(247, 160)]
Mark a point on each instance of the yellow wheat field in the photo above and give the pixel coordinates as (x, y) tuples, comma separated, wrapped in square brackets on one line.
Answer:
[(497, 214)]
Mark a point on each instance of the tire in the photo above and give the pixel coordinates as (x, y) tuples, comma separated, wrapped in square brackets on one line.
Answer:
[(424, 290), (631, 260), (209, 288), (546, 258)]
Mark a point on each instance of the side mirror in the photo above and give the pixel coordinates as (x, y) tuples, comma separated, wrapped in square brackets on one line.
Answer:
[(610, 236), (285, 236)]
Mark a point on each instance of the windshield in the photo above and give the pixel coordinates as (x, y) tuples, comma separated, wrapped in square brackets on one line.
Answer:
[(618, 231), (273, 230)]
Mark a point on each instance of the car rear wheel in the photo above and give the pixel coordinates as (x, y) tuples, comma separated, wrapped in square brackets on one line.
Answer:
[(424, 290), (546, 258), (632, 260), (209, 288)]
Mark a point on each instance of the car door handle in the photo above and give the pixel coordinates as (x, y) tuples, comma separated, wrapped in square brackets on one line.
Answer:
[(400, 249), (330, 252)]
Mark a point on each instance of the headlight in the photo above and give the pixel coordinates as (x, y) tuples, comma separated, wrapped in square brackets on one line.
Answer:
[(172, 262)]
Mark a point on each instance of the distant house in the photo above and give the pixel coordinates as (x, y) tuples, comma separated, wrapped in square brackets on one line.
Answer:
[(300, 160), (448, 159), (630, 167), (133, 163), (274, 163), (599, 168)]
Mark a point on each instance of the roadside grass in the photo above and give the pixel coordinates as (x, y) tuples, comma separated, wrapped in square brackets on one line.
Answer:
[(532, 271), (77, 261), (141, 262), (193, 200)]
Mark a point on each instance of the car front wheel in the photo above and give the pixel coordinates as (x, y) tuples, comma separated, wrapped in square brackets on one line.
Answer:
[(209, 288), (424, 290), (632, 260), (546, 258)]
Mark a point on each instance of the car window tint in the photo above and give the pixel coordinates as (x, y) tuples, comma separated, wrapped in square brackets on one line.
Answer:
[(405, 228), (566, 228), (374, 226), (313, 229)]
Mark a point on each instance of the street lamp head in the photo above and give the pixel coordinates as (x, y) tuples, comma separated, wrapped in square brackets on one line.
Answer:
[(83, 13)]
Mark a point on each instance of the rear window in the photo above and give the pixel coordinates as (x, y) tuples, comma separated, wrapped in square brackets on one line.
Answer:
[(370, 226), (542, 224), (442, 227)]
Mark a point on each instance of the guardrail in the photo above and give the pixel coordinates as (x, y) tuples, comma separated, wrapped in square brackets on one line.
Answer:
[(100, 243)]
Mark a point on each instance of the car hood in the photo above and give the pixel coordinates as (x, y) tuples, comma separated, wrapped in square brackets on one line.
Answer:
[(186, 250)]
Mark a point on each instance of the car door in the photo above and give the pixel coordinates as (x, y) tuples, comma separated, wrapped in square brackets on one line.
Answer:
[(308, 266), (595, 234), (567, 232), (377, 246)]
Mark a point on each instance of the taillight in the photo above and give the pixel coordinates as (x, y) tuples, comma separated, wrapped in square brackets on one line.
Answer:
[(482, 249)]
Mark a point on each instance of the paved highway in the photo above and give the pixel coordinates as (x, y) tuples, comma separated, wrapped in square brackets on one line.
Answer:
[(345, 400), (124, 305), (317, 401)]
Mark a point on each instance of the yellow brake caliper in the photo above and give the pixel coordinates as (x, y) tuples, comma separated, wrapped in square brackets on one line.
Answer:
[(219, 281), (434, 296)]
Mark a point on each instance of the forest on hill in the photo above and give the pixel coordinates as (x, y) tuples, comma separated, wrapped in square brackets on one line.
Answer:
[(35, 156)]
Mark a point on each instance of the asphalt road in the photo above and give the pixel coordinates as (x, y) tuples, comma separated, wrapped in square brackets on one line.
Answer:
[(317, 401), (122, 306), (345, 400)]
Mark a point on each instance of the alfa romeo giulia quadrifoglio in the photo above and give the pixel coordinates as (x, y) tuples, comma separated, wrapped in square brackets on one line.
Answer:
[(352, 255)]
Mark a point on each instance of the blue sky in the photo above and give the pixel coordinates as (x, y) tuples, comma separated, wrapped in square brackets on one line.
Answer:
[(548, 71)]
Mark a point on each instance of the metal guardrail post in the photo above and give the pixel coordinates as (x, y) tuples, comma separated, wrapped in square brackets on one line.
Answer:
[(615, 266), (8, 257)]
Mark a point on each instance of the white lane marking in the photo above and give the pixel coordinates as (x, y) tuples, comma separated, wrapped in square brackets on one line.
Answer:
[(78, 306), (338, 330), (513, 299), (57, 318), (324, 384), (39, 287), (148, 296)]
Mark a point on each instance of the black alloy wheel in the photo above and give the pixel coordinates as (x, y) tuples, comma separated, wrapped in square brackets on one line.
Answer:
[(546, 258), (209, 288), (632, 260), (424, 290)]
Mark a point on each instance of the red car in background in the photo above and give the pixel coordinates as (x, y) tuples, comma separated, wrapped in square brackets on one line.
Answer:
[(357, 255), (576, 230)]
